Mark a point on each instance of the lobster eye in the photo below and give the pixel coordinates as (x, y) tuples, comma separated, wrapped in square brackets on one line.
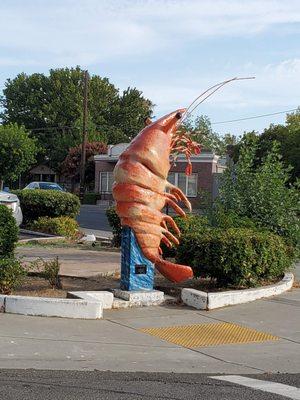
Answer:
[(178, 115)]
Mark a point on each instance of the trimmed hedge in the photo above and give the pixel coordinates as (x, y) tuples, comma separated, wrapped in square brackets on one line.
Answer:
[(63, 226), (8, 232), (47, 203), (115, 223), (191, 223), (236, 256), (90, 198)]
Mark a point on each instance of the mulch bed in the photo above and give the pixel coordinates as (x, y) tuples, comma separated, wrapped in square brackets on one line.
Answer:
[(39, 287)]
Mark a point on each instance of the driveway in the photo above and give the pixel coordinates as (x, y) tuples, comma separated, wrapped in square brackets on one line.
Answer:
[(92, 219)]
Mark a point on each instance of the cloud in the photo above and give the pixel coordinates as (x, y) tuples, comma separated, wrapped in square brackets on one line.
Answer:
[(91, 31), (275, 87)]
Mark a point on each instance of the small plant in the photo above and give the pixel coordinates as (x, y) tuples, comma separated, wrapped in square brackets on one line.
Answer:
[(48, 269), (8, 232), (51, 273), (11, 274)]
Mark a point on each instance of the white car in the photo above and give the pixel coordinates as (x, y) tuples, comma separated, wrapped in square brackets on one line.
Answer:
[(11, 201)]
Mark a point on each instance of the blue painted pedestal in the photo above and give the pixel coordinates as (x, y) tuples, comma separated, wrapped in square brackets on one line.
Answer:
[(137, 272)]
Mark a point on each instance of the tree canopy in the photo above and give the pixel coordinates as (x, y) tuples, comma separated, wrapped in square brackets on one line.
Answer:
[(286, 135), (50, 106), (17, 152), (71, 164), (202, 132)]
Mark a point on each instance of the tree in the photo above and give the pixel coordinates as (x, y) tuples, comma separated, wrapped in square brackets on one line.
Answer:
[(17, 152), (131, 111), (262, 193), (288, 138), (203, 133), (51, 107), (71, 164)]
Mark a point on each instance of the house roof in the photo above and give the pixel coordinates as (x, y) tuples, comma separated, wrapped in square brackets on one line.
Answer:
[(114, 151)]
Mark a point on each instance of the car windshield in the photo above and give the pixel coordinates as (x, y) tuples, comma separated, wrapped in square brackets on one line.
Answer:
[(49, 186)]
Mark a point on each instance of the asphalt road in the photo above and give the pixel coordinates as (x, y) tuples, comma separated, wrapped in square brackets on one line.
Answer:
[(74, 385), (93, 218)]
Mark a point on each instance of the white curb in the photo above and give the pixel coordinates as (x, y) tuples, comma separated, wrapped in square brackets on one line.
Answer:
[(2, 303), (106, 298), (194, 298), (209, 301), (53, 307)]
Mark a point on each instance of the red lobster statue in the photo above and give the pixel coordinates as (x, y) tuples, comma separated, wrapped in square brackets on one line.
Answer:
[(140, 189)]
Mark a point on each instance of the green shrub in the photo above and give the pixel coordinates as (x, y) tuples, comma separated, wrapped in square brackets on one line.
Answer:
[(11, 274), (62, 226), (8, 232), (47, 203), (115, 223), (90, 198), (236, 256), (230, 219), (262, 192), (190, 224)]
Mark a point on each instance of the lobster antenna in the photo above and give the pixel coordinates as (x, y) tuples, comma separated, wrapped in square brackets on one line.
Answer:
[(210, 92)]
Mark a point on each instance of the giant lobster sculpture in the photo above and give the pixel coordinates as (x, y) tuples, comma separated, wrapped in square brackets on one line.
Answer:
[(140, 189)]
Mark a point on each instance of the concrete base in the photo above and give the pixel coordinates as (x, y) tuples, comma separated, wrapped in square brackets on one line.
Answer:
[(50, 307), (140, 297), (209, 301), (105, 298)]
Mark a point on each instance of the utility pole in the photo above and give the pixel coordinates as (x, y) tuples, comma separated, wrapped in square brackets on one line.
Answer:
[(84, 135)]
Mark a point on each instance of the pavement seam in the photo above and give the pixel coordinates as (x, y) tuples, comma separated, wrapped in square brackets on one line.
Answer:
[(226, 361), (230, 322), (81, 341), (200, 352)]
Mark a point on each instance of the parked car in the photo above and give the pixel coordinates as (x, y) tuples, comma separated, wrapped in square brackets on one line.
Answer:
[(44, 186), (11, 201)]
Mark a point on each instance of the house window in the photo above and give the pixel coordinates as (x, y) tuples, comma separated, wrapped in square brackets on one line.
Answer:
[(188, 184), (106, 182)]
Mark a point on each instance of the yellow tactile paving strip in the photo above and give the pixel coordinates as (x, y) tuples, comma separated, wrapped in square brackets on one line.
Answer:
[(210, 334)]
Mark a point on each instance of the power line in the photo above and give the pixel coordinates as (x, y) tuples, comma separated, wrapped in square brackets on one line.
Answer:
[(213, 123), (256, 116)]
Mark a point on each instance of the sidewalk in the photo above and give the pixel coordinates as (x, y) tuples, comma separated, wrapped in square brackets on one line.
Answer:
[(117, 344), (75, 262)]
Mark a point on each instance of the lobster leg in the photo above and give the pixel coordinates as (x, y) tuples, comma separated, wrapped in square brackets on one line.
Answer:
[(179, 194)]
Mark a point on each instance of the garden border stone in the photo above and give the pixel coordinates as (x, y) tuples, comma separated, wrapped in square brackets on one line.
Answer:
[(53, 307), (209, 301)]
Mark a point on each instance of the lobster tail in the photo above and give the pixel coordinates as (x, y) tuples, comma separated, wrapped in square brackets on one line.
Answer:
[(174, 272)]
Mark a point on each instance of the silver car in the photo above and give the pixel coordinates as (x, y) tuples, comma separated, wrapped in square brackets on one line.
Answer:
[(44, 186), (12, 202)]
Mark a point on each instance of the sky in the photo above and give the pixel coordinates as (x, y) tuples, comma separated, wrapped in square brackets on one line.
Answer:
[(172, 50)]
